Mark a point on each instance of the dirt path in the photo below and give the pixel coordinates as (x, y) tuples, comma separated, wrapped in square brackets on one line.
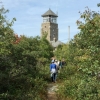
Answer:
[(52, 88)]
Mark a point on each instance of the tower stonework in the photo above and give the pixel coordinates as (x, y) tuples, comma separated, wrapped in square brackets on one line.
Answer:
[(50, 26)]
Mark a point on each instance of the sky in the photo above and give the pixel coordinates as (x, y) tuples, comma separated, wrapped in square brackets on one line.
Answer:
[(28, 15)]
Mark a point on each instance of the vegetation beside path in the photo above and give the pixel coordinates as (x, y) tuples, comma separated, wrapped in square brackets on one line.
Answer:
[(81, 77)]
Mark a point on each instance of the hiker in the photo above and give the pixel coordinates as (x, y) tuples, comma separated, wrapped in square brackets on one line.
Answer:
[(63, 63), (53, 68), (60, 64), (57, 65)]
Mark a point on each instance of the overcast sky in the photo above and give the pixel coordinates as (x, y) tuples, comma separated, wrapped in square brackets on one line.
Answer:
[(28, 14)]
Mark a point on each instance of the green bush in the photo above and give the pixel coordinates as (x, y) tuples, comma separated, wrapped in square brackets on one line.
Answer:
[(80, 81), (20, 76), (67, 72)]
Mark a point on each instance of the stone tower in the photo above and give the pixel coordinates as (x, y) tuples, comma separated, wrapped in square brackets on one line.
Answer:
[(50, 26)]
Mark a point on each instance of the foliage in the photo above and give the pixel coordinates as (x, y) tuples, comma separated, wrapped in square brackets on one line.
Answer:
[(22, 63), (62, 52), (84, 51)]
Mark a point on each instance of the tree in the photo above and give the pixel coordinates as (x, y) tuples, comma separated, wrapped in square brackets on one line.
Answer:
[(82, 83), (19, 57), (87, 52)]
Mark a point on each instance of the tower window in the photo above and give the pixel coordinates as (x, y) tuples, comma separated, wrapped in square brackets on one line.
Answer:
[(45, 26)]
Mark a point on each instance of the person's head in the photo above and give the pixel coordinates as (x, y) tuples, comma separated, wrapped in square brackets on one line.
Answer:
[(55, 60), (52, 61)]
